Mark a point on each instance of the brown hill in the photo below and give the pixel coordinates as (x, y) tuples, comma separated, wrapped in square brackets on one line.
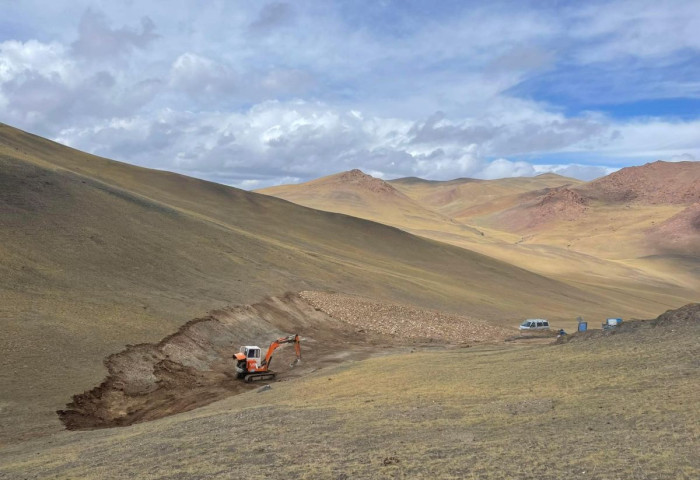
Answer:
[(548, 224), (360, 195), (654, 183), (679, 234), (464, 198), (97, 254), (658, 183), (557, 204)]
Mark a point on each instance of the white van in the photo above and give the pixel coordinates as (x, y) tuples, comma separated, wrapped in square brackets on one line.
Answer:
[(535, 324)]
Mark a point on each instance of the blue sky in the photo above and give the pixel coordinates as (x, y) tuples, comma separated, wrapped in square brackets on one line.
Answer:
[(257, 93)]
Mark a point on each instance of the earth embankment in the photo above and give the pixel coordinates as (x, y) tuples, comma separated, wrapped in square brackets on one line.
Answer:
[(194, 366)]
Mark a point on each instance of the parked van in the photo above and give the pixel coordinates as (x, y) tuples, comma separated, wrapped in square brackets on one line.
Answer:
[(535, 324), (611, 323)]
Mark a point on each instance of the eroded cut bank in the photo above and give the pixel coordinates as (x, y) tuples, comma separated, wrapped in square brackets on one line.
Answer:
[(194, 366)]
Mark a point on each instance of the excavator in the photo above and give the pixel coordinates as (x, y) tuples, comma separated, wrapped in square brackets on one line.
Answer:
[(251, 368)]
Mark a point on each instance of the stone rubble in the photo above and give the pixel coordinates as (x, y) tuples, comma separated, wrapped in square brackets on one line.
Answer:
[(404, 320)]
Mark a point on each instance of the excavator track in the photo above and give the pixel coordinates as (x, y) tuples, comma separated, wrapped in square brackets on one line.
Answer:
[(256, 377)]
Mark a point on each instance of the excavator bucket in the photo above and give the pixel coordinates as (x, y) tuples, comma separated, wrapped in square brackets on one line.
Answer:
[(296, 362)]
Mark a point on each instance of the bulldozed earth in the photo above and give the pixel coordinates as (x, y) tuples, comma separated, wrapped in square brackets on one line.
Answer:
[(194, 366)]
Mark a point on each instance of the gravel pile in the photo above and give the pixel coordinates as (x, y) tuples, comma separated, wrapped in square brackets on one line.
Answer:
[(403, 320)]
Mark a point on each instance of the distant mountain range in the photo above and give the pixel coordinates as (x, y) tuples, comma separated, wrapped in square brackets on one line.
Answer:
[(636, 230)]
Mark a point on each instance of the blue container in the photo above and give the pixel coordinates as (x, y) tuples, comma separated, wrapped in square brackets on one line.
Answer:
[(582, 326)]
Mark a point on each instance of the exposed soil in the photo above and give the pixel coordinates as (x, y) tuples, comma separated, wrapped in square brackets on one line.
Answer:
[(194, 366)]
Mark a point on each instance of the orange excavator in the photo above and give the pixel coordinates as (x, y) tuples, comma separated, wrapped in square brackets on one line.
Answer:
[(251, 367)]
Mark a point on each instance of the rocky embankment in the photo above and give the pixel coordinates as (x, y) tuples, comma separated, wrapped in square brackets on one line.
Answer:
[(405, 321)]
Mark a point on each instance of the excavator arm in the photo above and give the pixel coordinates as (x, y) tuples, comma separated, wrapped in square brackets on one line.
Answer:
[(295, 339)]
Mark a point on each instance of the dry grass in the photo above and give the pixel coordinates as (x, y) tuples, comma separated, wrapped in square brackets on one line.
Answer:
[(96, 254), (602, 252), (616, 407)]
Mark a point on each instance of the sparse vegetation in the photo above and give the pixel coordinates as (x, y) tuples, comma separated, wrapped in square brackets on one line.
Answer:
[(618, 406), (96, 254)]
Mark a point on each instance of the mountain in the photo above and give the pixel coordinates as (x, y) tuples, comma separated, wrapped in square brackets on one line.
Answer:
[(465, 197), (657, 183), (633, 200), (97, 254), (579, 233), (680, 234)]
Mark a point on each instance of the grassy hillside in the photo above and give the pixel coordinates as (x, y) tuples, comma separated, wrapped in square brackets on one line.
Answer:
[(360, 195), (616, 406), (97, 254), (462, 198), (547, 224)]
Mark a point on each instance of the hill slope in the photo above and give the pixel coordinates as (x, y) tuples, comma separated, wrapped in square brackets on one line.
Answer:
[(603, 406), (463, 198), (360, 195), (548, 224), (654, 183), (97, 254)]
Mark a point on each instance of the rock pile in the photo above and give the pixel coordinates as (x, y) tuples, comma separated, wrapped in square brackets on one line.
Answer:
[(403, 320)]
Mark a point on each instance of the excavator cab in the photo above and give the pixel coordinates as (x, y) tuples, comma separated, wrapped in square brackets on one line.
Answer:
[(251, 352), (251, 358)]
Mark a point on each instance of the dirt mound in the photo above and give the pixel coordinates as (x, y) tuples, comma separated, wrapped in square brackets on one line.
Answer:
[(404, 321), (686, 316), (654, 183), (680, 233), (194, 366)]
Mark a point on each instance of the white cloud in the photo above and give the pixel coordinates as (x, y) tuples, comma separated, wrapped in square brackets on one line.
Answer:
[(502, 168), (582, 172), (96, 40), (198, 75), (643, 29), (33, 57), (295, 90), (683, 157)]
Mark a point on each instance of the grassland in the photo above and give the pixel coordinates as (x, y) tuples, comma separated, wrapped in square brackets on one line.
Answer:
[(604, 250), (620, 406), (97, 254)]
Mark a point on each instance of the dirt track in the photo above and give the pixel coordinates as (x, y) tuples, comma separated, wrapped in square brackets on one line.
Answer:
[(193, 367)]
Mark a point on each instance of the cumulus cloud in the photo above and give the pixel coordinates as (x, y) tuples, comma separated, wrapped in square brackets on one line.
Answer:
[(683, 157), (96, 40), (501, 168), (292, 91), (199, 75), (273, 15), (43, 91), (582, 172), (294, 139)]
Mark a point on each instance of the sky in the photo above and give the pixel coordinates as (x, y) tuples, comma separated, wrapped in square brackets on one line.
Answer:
[(259, 93)]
